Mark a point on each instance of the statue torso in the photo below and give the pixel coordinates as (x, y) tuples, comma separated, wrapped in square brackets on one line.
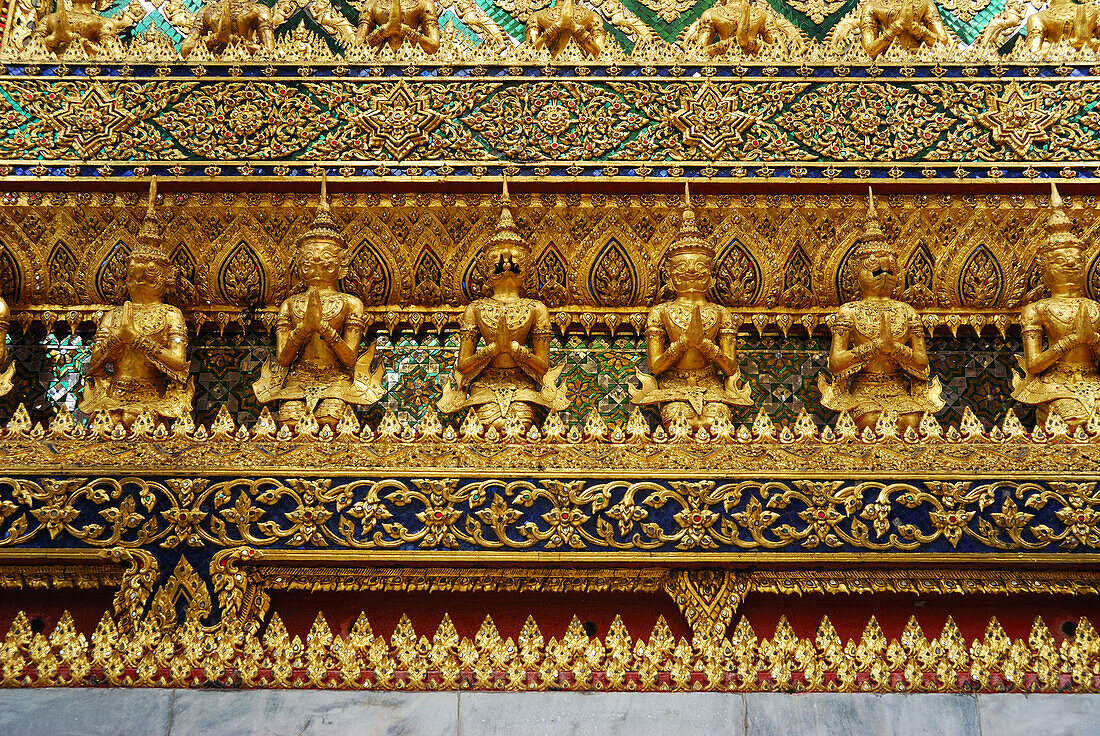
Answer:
[(1058, 317), (675, 318)]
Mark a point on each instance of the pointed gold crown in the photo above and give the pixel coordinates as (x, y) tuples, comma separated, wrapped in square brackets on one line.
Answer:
[(872, 239), (323, 226), (506, 234), (150, 243), (690, 239), (1059, 227)]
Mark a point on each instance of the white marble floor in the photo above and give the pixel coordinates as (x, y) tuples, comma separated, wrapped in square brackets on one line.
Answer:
[(134, 712)]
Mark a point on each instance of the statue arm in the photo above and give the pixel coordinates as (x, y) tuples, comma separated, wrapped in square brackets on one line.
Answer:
[(660, 359), (840, 357), (105, 348), (429, 39), (936, 31), (536, 360), (5, 325), (288, 339), (913, 358), (346, 346), (1037, 359), (726, 358), (170, 359), (874, 43), (471, 360)]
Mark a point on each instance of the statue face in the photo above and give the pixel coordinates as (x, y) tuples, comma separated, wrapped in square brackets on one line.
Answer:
[(319, 263), (1064, 269), (504, 263), (877, 273), (147, 278), (690, 273)]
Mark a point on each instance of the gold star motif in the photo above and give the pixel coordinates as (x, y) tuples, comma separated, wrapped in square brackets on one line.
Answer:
[(710, 122), (1018, 119), (398, 122), (87, 122)]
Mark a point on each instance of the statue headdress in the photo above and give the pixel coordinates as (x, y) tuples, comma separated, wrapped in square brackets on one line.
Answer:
[(690, 239), (323, 226), (506, 233), (872, 239), (150, 242), (1059, 227)]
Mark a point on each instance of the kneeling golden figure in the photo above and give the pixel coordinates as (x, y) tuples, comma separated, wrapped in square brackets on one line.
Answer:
[(317, 364), (1063, 377), (691, 341), (144, 341), (878, 358), (511, 375)]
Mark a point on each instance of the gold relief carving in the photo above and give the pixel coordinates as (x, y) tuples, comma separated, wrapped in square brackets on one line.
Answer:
[(1018, 119), (246, 120), (394, 122), (227, 22), (441, 513), (507, 378), (183, 587), (866, 122), (396, 22), (89, 120), (878, 359), (135, 587), (708, 599), (144, 341), (82, 25), (736, 24), (566, 20), (1063, 21), (317, 366), (789, 241), (691, 342), (409, 660), (1062, 378)]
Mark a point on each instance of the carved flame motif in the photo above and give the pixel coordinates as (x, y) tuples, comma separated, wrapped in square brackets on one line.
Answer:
[(427, 278), (110, 279), (736, 277), (11, 280), (613, 281), (1092, 279), (184, 293), (918, 278), (982, 281), (846, 287), (241, 279), (367, 277), (797, 280), (62, 267), (550, 277), (1036, 288)]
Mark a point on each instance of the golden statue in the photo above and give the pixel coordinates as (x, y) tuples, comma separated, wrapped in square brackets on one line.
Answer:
[(878, 357), (1063, 20), (510, 375), (555, 26), (144, 340), (910, 24), (7, 374), (82, 24), (393, 22), (317, 363), (220, 23), (1064, 376), (737, 23), (691, 342)]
